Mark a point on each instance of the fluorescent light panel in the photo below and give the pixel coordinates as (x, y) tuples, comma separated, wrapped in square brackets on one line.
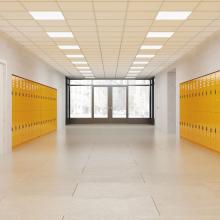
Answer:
[(69, 47), (140, 62), (79, 62), (133, 71), (137, 67), (75, 56), (83, 67), (145, 56), (86, 71), (47, 15), (60, 34), (151, 47), (173, 15), (160, 34)]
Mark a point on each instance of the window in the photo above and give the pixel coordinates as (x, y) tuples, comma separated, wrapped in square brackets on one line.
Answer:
[(80, 101), (139, 105), (112, 100)]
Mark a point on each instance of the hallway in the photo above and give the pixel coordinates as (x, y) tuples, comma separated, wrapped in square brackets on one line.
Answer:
[(110, 172)]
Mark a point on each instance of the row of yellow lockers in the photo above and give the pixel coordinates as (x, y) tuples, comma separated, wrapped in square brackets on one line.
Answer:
[(37, 96), (202, 128), (200, 111), (34, 110), (202, 94)]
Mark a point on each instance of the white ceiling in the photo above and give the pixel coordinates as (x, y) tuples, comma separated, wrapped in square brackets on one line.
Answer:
[(109, 33)]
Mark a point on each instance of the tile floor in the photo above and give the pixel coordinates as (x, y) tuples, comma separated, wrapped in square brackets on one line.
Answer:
[(110, 172)]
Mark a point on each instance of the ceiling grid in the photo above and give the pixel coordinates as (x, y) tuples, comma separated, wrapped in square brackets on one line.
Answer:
[(109, 34)]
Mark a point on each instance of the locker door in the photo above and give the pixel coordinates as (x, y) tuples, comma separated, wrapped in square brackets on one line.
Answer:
[(14, 129), (207, 93), (218, 92), (212, 92), (200, 131), (211, 130), (217, 142)]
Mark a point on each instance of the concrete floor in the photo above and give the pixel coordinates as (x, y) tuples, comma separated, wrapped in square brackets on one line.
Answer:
[(110, 172)]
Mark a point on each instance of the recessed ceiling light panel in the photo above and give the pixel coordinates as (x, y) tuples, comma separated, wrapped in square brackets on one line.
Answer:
[(82, 67), (133, 71), (151, 47), (86, 71), (160, 34), (69, 47), (140, 62), (173, 15), (137, 67), (79, 62), (145, 56), (47, 15), (75, 56), (60, 34)]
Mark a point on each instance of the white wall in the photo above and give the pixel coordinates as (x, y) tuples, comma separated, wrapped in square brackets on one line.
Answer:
[(23, 63), (165, 102), (203, 60), (171, 94), (160, 102)]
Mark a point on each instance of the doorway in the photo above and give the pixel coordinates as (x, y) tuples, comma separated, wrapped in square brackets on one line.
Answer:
[(109, 101)]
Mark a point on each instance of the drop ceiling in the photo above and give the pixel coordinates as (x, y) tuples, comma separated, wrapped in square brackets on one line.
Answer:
[(110, 34)]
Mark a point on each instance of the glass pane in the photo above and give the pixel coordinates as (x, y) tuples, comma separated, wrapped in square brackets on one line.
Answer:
[(139, 101), (80, 101), (119, 102), (100, 102)]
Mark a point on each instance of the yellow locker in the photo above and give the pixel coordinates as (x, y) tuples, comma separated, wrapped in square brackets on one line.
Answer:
[(200, 131), (212, 92), (211, 130), (34, 110), (217, 142), (218, 92)]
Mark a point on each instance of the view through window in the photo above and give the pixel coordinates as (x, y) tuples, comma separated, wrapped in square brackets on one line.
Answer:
[(110, 99)]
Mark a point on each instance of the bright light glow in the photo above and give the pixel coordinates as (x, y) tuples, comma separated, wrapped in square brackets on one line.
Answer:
[(140, 62), (47, 15), (173, 15), (87, 71), (151, 47), (83, 67), (133, 71), (69, 47), (75, 56), (60, 34), (79, 62), (145, 56), (137, 67), (160, 34)]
